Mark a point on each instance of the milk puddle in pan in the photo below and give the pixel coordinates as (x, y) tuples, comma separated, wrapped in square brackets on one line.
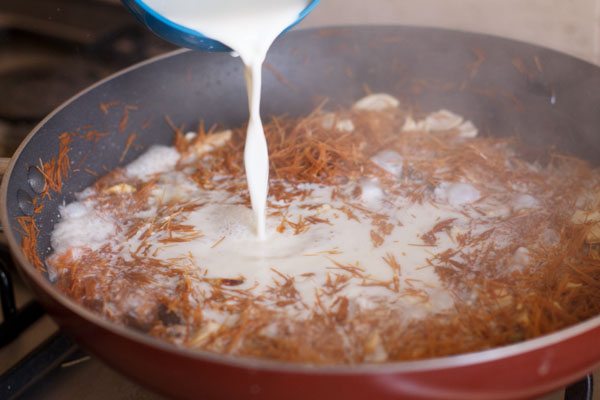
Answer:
[(163, 207), (249, 28)]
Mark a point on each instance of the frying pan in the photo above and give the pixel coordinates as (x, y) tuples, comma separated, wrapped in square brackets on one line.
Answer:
[(505, 87)]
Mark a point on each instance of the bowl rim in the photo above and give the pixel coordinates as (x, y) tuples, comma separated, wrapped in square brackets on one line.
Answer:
[(141, 9)]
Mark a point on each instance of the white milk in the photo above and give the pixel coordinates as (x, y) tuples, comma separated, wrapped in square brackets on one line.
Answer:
[(249, 28), (225, 245)]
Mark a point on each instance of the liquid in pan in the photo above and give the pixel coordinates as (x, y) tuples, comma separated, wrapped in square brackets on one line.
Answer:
[(389, 236)]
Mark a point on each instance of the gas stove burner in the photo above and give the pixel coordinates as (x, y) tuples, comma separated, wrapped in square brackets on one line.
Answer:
[(33, 88)]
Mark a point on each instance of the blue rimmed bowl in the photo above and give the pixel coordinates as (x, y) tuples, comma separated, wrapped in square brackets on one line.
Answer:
[(185, 37)]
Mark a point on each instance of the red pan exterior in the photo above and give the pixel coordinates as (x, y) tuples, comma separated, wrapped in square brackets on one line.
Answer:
[(487, 375), (314, 62)]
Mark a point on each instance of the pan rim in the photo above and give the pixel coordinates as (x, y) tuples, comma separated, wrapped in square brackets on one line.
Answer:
[(431, 364)]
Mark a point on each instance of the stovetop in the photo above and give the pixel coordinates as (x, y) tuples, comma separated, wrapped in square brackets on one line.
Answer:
[(49, 50)]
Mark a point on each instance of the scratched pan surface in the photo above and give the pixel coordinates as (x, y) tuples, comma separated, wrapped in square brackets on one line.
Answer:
[(505, 87)]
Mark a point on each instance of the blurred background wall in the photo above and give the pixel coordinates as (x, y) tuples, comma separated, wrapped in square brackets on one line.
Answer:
[(572, 26)]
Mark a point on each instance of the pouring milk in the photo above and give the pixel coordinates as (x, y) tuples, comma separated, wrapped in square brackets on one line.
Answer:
[(249, 28)]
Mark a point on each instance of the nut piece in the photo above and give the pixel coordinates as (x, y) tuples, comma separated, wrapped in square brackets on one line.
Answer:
[(374, 350), (342, 125), (441, 121), (323, 208), (444, 120), (208, 329), (120, 188), (592, 218), (585, 217), (345, 125), (410, 125), (211, 142), (376, 102), (503, 298), (467, 130)]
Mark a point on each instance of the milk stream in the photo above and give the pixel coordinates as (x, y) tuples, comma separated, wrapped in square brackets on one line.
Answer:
[(249, 28)]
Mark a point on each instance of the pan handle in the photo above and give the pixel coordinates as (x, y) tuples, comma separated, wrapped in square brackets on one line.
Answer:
[(4, 161)]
